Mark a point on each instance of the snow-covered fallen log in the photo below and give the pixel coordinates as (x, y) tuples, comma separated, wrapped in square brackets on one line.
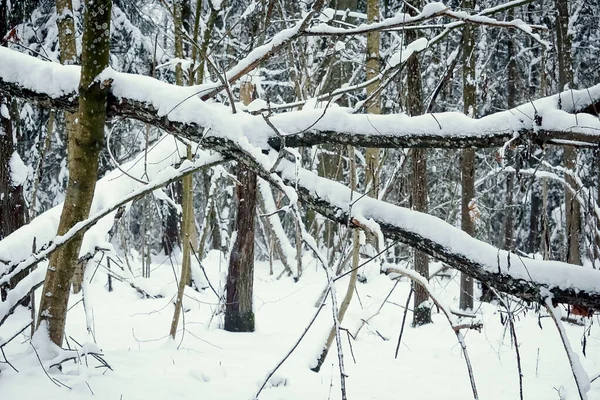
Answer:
[(246, 138), (565, 118)]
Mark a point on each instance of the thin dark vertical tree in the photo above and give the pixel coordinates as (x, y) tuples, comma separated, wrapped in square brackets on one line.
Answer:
[(414, 106), (565, 81), (467, 162), (84, 146)]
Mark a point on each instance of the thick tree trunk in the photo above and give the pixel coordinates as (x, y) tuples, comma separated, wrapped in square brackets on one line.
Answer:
[(84, 146), (467, 162), (239, 315), (12, 204)]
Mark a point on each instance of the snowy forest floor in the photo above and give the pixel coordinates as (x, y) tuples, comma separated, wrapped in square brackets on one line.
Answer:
[(210, 363)]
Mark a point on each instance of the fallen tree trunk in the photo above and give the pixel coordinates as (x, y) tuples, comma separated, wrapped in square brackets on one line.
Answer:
[(565, 118), (150, 101)]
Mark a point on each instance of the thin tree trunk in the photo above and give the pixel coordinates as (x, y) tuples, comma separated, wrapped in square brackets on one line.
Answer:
[(565, 81), (467, 162), (372, 176), (68, 56), (414, 105), (83, 149), (188, 229), (353, 276), (512, 102)]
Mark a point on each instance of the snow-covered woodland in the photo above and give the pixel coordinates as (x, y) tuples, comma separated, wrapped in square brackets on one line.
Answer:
[(343, 199)]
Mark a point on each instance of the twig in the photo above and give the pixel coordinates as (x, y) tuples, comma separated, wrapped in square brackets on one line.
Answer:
[(280, 363), (418, 278), (53, 380), (403, 320), (581, 379), (6, 359)]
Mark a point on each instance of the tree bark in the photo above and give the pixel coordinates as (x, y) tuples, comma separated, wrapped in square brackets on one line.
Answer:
[(372, 176), (467, 162), (84, 145), (414, 105), (239, 314), (12, 204), (68, 56), (188, 226), (565, 81)]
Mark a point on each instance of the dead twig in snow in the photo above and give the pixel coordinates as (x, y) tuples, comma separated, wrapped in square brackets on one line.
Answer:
[(456, 327), (581, 378)]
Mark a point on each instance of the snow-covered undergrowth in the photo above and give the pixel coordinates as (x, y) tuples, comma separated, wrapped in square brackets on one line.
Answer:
[(209, 363)]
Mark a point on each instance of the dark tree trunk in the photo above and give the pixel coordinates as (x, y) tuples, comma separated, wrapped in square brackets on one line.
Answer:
[(170, 238), (467, 162), (12, 205), (239, 316), (533, 241), (414, 105)]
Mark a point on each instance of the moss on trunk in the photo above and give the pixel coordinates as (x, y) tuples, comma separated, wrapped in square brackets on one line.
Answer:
[(84, 146)]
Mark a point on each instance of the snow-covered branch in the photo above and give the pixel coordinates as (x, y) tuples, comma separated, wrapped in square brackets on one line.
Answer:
[(562, 118), (247, 138)]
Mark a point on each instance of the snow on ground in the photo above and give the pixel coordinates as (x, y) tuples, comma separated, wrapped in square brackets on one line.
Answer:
[(213, 364)]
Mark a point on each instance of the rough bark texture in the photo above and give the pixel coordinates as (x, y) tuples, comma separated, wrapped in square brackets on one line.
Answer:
[(414, 103), (12, 205), (239, 315), (12, 208), (84, 146), (467, 162)]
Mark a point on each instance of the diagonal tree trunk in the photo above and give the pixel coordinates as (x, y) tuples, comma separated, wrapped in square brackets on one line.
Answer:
[(84, 146)]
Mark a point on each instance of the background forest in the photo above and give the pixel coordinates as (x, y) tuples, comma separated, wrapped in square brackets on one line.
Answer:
[(201, 148)]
